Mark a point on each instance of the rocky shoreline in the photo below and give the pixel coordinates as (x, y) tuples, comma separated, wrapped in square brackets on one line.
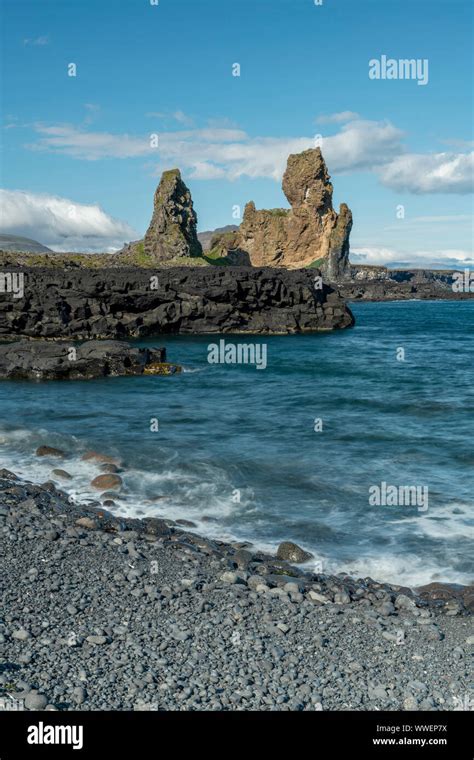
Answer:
[(390, 290), (43, 360), (90, 304), (106, 613)]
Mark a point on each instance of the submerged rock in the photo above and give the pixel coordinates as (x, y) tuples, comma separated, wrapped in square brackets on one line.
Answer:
[(161, 368), (62, 474), (97, 456), (108, 467), (42, 451)]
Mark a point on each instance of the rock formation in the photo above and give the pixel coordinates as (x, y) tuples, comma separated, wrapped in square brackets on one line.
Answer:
[(377, 283), (45, 360), (225, 247), (206, 236), (337, 266), (136, 302), (311, 232), (172, 233)]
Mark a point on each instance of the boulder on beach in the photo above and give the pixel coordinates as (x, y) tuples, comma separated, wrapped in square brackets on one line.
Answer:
[(86, 522), (108, 467), (6, 474), (106, 482), (292, 552), (110, 495), (49, 451), (156, 527), (104, 459), (62, 474)]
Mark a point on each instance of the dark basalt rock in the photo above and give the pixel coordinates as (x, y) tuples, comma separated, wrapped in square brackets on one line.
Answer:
[(132, 302), (44, 360), (292, 552), (377, 283), (173, 229)]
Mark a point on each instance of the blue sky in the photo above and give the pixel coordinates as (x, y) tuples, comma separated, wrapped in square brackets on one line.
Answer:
[(78, 168)]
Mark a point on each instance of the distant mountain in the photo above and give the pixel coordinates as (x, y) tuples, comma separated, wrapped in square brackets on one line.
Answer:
[(23, 244), (205, 237)]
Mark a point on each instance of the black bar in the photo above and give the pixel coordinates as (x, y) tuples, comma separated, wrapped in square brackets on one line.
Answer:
[(152, 734)]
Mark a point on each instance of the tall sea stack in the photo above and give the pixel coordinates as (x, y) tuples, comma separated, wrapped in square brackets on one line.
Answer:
[(172, 233), (310, 232)]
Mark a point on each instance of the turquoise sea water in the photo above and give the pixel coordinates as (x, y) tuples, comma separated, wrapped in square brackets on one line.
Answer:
[(232, 431)]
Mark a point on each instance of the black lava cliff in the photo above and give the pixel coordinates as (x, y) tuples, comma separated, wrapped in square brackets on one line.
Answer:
[(119, 303)]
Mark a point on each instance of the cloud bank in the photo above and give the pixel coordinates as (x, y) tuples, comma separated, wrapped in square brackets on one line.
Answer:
[(392, 258), (62, 224), (230, 153), (433, 173), (336, 118), (37, 41)]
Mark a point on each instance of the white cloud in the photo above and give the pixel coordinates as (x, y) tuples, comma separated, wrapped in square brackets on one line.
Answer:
[(257, 157), (220, 122), (443, 220), (93, 109), (362, 145), (79, 143), (62, 224), (229, 153), (337, 118), (37, 41), (459, 143), (183, 118), (432, 259), (430, 173), (179, 116), (205, 170)]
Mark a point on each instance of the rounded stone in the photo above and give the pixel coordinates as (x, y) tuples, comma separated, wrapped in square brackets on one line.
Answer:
[(35, 701), (108, 467), (49, 451), (106, 482), (96, 456), (292, 552), (21, 635)]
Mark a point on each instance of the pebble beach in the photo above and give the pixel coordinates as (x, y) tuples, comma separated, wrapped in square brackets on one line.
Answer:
[(104, 613)]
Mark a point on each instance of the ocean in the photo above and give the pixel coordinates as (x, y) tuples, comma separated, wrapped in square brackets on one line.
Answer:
[(293, 450)]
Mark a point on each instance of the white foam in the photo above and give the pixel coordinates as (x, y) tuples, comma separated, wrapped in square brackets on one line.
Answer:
[(405, 570), (191, 370), (181, 494), (208, 492), (447, 522)]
